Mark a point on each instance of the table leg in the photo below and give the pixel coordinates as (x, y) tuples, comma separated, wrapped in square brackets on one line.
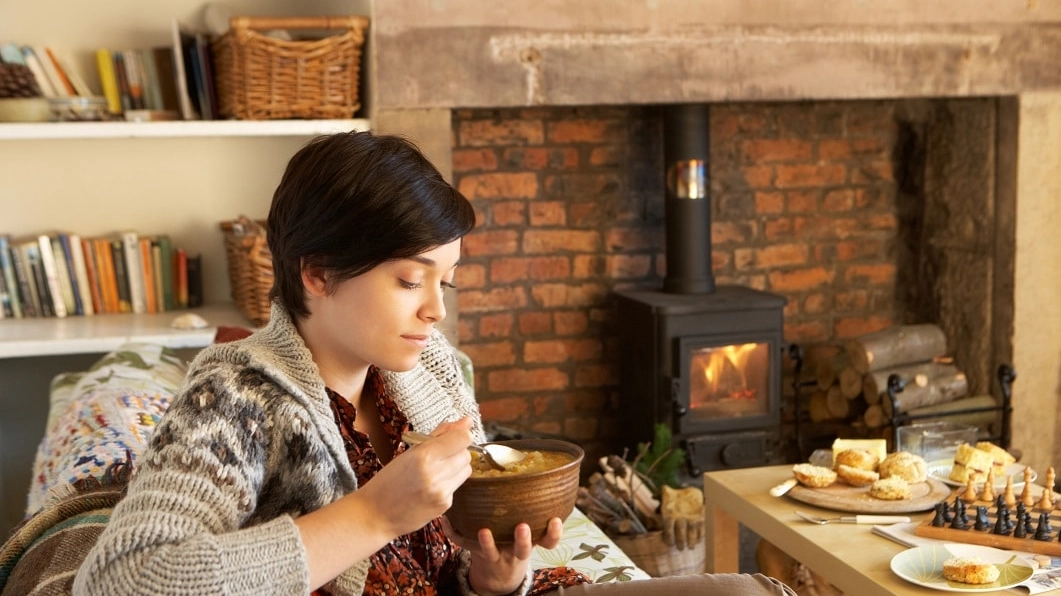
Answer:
[(723, 541)]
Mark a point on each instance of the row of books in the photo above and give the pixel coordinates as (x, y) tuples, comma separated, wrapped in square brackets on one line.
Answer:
[(173, 81), (61, 274)]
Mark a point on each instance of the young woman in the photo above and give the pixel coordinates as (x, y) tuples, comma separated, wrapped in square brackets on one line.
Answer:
[(279, 466)]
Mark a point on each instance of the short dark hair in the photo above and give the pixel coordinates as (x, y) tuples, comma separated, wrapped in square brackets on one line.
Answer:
[(350, 201)]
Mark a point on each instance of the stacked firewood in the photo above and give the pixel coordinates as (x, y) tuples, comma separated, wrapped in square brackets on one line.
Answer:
[(851, 384)]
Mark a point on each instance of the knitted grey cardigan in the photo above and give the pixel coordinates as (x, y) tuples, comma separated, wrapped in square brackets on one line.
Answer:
[(248, 444)]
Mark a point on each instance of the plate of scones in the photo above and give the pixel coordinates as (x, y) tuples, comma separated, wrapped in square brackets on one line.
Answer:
[(957, 567), (864, 478)]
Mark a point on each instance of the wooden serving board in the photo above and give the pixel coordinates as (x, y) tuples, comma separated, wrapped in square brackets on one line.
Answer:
[(1028, 544), (852, 499)]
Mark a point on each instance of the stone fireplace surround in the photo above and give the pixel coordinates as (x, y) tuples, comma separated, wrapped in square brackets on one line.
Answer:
[(429, 57)]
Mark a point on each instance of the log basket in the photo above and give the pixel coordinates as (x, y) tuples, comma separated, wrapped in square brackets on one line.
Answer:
[(660, 559), (250, 268), (261, 78)]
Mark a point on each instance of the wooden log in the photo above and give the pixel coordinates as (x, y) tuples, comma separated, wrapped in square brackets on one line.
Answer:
[(938, 390), (817, 408), (837, 403), (850, 382), (874, 416), (896, 346), (827, 372), (986, 421), (875, 384)]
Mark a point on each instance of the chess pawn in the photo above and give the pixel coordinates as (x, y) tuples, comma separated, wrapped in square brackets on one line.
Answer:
[(1045, 503), (1050, 478), (1008, 497), (989, 487), (1026, 492), (970, 492)]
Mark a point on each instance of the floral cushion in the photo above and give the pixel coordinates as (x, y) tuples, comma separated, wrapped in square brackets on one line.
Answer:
[(588, 549), (97, 415)]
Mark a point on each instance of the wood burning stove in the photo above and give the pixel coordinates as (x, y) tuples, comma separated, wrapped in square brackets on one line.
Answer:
[(704, 360), (709, 367)]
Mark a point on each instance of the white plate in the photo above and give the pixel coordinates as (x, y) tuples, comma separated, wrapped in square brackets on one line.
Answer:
[(923, 565), (940, 470)]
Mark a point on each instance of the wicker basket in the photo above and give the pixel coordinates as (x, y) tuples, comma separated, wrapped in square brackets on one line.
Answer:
[(660, 559), (250, 268), (263, 78)]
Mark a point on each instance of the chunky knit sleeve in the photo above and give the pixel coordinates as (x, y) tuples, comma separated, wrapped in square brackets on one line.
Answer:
[(191, 523), (435, 391)]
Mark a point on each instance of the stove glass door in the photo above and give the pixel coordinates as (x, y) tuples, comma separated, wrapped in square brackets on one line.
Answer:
[(729, 381)]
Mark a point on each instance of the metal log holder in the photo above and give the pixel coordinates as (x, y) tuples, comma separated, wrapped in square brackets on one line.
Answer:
[(1006, 375)]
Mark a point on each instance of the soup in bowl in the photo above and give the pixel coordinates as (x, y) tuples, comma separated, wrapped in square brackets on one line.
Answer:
[(542, 486)]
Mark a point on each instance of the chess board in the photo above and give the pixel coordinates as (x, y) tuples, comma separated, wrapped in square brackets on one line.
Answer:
[(994, 534)]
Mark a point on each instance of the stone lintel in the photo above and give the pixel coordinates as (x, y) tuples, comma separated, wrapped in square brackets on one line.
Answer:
[(450, 67)]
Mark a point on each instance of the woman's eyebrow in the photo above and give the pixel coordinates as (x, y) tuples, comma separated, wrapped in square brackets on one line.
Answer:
[(429, 262)]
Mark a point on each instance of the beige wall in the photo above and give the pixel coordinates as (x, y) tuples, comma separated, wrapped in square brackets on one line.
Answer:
[(1037, 295)]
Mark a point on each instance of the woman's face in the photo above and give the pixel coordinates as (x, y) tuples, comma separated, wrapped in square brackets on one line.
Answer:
[(385, 316)]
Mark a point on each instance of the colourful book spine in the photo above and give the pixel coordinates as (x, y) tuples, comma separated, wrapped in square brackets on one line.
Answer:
[(147, 270), (64, 273), (169, 297), (92, 273), (8, 270), (31, 306), (51, 275), (121, 277), (134, 271), (108, 80), (80, 272), (180, 277)]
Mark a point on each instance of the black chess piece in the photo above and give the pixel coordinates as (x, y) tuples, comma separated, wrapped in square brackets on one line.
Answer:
[(1001, 527), (1028, 523), (947, 515), (982, 522), (938, 520), (1041, 531), (1019, 531), (958, 523), (960, 511)]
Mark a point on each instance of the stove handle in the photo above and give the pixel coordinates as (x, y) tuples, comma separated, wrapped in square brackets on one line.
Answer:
[(677, 397)]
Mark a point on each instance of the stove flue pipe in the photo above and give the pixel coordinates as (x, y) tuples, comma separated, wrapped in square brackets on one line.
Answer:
[(686, 141)]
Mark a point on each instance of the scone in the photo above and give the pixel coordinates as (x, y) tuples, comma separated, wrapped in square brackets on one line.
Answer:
[(813, 476), (908, 466), (890, 489), (970, 463), (861, 459), (969, 570), (856, 476)]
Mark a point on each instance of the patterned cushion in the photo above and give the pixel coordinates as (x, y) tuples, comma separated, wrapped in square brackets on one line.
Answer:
[(588, 549), (98, 414)]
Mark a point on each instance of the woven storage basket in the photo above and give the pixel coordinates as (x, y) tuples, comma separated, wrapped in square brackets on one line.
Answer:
[(660, 559), (250, 268), (263, 78)]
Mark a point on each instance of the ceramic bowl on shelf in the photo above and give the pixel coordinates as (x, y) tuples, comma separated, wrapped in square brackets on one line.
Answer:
[(24, 109), (78, 109), (502, 501)]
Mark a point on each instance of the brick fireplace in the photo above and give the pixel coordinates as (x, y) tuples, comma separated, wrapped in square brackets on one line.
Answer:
[(826, 134)]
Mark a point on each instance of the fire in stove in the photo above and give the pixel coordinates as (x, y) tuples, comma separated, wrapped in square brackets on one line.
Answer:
[(730, 380)]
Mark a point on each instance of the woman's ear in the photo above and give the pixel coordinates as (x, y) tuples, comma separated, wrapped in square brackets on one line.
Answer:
[(315, 280)]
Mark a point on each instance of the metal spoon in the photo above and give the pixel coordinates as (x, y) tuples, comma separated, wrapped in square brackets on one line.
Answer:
[(498, 456)]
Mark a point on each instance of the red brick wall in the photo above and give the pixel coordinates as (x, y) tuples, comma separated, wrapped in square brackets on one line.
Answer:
[(570, 205)]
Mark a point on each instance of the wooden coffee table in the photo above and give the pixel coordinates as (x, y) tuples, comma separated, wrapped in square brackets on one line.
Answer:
[(848, 556)]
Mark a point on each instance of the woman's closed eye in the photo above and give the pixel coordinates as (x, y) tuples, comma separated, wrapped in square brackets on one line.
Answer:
[(409, 285)]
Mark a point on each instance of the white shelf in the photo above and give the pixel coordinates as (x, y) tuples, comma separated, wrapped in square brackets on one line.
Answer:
[(103, 333), (177, 128)]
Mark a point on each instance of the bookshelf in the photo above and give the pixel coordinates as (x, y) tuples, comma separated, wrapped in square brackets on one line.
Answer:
[(177, 129), (99, 334)]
